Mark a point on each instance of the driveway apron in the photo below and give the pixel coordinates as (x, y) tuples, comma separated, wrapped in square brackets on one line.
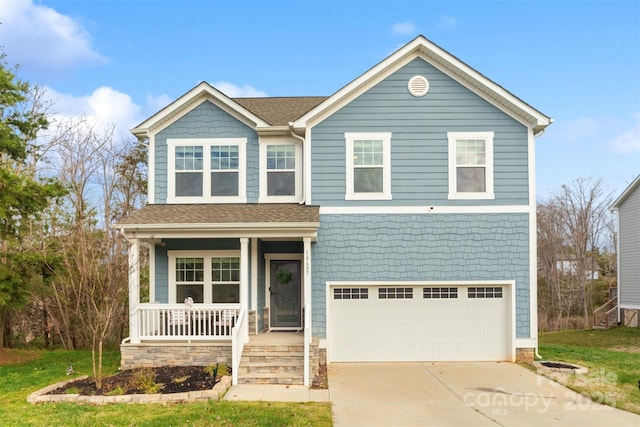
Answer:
[(459, 394)]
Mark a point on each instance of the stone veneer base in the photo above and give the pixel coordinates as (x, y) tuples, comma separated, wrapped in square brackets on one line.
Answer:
[(216, 393)]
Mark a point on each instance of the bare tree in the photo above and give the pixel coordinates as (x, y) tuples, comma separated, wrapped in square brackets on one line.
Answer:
[(90, 288), (572, 227)]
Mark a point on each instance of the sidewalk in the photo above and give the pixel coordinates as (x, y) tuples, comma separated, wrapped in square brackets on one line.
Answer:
[(276, 393)]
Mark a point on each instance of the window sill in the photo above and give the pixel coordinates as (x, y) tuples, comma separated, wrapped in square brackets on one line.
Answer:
[(368, 196), (472, 196), (204, 200), (279, 199)]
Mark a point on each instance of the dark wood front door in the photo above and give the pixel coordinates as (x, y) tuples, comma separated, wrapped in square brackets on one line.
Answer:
[(285, 305)]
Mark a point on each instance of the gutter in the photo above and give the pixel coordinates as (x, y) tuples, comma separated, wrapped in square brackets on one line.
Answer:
[(304, 164)]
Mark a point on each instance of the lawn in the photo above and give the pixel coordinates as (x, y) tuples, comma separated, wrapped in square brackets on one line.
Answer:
[(18, 380), (612, 356)]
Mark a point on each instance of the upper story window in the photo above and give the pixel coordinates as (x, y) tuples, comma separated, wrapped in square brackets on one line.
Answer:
[(280, 171), (368, 174), (206, 170), (470, 165)]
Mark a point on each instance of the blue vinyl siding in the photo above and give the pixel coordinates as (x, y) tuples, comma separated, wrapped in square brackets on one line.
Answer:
[(419, 146), (422, 248), (206, 121), (161, 275)]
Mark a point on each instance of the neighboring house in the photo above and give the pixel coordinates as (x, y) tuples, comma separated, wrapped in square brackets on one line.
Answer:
[(628, 208), (391, 221), (569, 266)]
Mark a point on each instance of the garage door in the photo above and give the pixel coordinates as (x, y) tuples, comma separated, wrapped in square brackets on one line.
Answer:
[(418, 323)]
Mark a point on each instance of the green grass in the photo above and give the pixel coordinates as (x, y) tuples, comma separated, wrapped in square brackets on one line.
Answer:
[(612, 356), (19, 380)]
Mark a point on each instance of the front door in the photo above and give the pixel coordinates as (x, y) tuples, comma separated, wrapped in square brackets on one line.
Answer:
[(285, 305)]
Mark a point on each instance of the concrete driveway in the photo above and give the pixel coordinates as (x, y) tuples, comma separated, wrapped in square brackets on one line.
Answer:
[(459, 394)]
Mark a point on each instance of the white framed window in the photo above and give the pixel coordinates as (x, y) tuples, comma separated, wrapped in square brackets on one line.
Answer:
[(368, 174), (280, 172), (470, 165), (205, 276), (206, 170)]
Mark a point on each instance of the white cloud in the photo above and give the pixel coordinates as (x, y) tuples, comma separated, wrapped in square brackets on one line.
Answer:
[(447, 22), (41, 39), (629, 140), (103, 108), (235, 91), (404, 28)]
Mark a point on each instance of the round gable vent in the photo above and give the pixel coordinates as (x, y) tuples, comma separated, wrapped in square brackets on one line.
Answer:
[(418, 86)]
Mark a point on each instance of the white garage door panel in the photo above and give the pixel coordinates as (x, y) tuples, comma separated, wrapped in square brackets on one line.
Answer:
[(418, 329)]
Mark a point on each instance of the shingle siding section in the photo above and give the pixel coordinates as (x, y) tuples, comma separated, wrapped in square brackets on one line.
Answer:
[(422, 248), (206, 121), (419, 145)]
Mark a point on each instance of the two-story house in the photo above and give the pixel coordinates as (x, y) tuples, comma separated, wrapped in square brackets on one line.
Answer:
[(394, 220)]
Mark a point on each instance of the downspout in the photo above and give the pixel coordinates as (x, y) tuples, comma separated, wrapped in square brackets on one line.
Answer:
[(304, 171)]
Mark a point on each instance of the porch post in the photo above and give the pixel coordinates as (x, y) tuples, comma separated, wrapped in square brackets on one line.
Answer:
[(244, 281), (307, 307), (134, 290)]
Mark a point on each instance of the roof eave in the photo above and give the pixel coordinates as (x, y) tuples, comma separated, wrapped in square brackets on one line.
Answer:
[(635, 183), (226, 230), (202, 91), (446, 62)]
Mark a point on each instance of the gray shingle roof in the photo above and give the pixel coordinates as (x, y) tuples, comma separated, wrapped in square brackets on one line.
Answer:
[(223, 214), (279, 111)]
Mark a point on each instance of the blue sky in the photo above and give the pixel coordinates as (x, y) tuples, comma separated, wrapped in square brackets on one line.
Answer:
[(121, 61)]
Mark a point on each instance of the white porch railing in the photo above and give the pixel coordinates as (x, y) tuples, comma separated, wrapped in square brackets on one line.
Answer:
[(240, 336), (198, 322)]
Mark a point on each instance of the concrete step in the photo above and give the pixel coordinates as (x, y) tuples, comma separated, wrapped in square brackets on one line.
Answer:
[(272, 380), (250, 348), (248, 370)]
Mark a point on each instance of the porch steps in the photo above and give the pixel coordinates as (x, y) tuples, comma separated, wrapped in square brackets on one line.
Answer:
[(274, 363)]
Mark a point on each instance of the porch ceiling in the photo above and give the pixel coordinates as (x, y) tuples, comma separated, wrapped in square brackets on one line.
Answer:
[(222, 220)]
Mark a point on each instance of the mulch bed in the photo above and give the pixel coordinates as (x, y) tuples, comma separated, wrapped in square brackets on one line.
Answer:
[(163, 380)]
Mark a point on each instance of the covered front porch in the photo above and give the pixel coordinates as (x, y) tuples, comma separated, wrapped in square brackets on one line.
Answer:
[(218, 276)]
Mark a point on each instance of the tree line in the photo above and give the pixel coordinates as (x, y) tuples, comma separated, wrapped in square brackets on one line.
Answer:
[(576, 254), (63, 184)]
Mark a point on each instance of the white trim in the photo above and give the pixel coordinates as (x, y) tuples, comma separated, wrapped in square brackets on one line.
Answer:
[(350, 137), (206, 144), (511, 314), (380, 283), (244, 272), (626, 193), (307, 307), (268, 257), (526, 343), (533, 241), (254, 275), (412, 210), (134, 288), (307, 167), (187, 102), (443, 61), (454, 194), (263, 144), (630, 306), (152, 273), (151, 169), (617, 231), (207, 281)]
